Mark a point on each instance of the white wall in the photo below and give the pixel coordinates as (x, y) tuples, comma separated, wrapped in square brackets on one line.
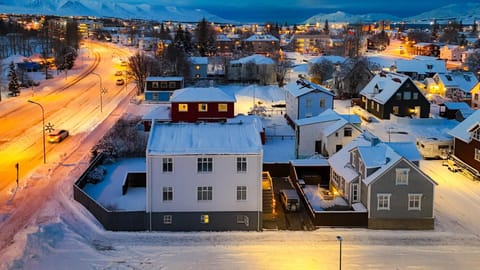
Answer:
[(291, 106), (224, 179)]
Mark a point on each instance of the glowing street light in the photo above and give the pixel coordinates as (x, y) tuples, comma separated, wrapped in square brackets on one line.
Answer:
[(102, 90), (43, 128), (340, 239)]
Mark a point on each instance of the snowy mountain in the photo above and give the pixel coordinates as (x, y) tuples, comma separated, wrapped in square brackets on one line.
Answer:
[(108, 9), (340, 16), (465, 12)]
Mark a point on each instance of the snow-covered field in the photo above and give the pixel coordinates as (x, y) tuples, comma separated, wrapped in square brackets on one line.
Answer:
[(64, 235)]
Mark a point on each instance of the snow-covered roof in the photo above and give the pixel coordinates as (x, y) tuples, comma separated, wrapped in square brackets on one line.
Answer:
[(352, 118), (407, 150), (223, 38), (326, 116), (301, 87), (383, 86), (313, 161), (421, 66), (256, 59), (451, 105), (466, 81), (196, 60), (201, 94), (248, 119), (261, 37), (160, 112), (163, 79), (335, 59), (463, 130), (203, 139)]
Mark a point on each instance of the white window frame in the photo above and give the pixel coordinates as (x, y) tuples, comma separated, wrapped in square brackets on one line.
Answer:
[(415, 201), (241, 193), (205, 193), (241, 165), (383, 201), (476, 134), (205, 165), (477, 154), (167, 219), (167, 194), (355, 192), (401, 176), (167, 165)]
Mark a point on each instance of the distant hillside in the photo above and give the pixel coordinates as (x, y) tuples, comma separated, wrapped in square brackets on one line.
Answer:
[(340, 16), (465, 12)]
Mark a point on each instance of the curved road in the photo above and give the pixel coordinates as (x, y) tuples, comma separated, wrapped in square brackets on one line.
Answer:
[(70, 102)]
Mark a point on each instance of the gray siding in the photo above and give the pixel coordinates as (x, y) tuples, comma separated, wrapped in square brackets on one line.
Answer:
[(417, 183)]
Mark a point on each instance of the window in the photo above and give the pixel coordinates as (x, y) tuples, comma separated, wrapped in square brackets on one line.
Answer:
[(241, 219), (383, 201), (204, 165), (372, 104), (475, 97), (401, 176), (167, 165), (241, 164), (347, 132), (414, 201), (308, 103), (476, 134), (407, 95), (241, 193), (167, 219), (172, 85), (182, 107), (415, 96), (222, 107), (355, 192), (163, 85), (155, 85), (167, 193), (398, 96), (322, 103), (197, 67), (204, 219), (477, 154), (202, 107), (204, 193), (155, 96), (378, 107), (395, 110)]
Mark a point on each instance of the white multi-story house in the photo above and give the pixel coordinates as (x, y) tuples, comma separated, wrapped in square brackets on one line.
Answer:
[(204, 176)]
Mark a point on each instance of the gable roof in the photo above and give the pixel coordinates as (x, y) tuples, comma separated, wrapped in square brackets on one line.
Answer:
[(421, 66), (203, 139), (463, 130), (261, 37), (466, 81), (201, 94), (301, 87), (256, 59), (383, 86)]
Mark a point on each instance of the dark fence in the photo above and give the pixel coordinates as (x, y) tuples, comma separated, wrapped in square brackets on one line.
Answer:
[(134, 179), (277, 169)]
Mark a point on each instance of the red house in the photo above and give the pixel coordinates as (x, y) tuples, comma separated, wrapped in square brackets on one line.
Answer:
[(201, 104)]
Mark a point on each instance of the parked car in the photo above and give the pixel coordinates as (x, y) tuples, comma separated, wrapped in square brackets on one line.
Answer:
[(57, 136), (120, 82), (290, 199), (118, 73)]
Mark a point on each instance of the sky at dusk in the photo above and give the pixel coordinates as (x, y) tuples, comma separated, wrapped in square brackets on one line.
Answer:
[(297, 11)]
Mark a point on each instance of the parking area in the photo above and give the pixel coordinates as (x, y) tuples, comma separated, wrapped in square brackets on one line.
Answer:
[(285, 220)]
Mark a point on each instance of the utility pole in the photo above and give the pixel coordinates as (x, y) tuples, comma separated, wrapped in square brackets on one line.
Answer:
[(17, 166)]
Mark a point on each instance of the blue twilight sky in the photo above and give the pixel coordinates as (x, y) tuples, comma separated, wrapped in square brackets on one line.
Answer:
[(295, 11)]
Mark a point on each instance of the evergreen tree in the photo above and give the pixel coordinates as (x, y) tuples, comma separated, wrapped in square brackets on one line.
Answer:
[(205, 37), (326, 28), (13, 85)]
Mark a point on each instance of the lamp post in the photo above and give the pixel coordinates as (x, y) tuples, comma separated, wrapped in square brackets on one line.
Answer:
[(43, 128), (340, 239), (102, 90)]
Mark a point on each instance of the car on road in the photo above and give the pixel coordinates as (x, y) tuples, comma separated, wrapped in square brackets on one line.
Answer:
[(118, 73), (120, 82), (57, 136)]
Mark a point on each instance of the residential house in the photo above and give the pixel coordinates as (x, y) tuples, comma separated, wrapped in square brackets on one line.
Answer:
[(254, 69), (263, 44), (451, 52), (420, 69), (449, 109), (208, 104), (313, 44), (316, 74), (382, 178), (349, 79), (393, 93), (198, 67), (324, 134), (466, 144), (225, 45), (426, 49), (159, 89), (306, 99), (458, 86), (204, 177)]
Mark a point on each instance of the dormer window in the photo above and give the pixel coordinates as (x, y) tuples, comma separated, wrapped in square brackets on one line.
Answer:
[(476, 134)]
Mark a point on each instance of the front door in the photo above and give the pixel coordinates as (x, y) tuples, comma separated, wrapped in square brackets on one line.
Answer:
[(318, 147)]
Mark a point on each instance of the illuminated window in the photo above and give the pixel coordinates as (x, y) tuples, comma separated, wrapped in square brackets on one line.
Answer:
[(414, 201), (183, 107), (241, 193), (383, 201), (202, 107), (401, 176), (197, 67), (477, 154), (222, 107), (204, 219), (167, 193)]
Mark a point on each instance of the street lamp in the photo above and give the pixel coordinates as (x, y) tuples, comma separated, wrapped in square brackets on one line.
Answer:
[(102, 90), (340, 239), (43, 128)]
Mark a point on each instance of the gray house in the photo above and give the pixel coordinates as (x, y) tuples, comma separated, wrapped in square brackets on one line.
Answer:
[(385, 179)]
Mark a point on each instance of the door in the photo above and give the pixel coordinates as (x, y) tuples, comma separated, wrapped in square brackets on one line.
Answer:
[(318, 147)]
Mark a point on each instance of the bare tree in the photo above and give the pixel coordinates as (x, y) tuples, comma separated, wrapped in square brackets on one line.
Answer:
[(321, 71), (141, 66), (283, 67)]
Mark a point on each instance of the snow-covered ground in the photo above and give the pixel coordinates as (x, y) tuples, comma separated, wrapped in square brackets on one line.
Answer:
[(64, 235)]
